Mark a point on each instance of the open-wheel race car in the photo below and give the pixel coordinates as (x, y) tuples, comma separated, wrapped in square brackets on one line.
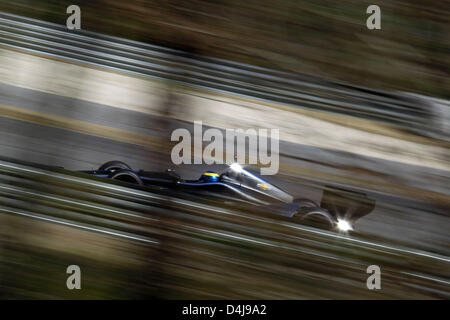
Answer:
[(338, 209)]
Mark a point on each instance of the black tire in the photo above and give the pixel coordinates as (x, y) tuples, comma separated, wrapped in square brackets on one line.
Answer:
[(114, 166), (306, 203), (126, 175), (316, 217)]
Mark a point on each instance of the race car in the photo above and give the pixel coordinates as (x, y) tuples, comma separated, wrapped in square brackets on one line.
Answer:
[(339, 208)]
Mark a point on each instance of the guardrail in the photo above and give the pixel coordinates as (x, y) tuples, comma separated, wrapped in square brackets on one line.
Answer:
[(215, 74), (284, 251)]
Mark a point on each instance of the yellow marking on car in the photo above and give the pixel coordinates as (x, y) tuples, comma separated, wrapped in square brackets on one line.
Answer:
[(212, 174), (263, 186)]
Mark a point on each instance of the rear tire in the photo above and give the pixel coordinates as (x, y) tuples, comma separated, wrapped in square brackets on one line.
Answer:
[(126, 176), (114, 166)]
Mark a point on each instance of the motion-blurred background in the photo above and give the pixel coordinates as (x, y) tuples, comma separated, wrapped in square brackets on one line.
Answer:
[(358, 108)]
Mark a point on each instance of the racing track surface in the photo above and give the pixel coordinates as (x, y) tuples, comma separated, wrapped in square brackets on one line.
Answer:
[(79, 135), (187, 246)]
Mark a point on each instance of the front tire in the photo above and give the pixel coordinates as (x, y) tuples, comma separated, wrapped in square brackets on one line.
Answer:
[(315, 217), (306, 203)]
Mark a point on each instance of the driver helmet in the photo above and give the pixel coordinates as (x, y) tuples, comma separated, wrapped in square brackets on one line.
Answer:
[(209, 176)]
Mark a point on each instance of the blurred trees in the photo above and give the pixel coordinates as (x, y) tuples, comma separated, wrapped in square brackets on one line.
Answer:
[(321, 38)]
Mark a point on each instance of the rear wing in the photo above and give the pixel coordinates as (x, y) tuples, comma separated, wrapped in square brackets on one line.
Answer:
[(346, 204)]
